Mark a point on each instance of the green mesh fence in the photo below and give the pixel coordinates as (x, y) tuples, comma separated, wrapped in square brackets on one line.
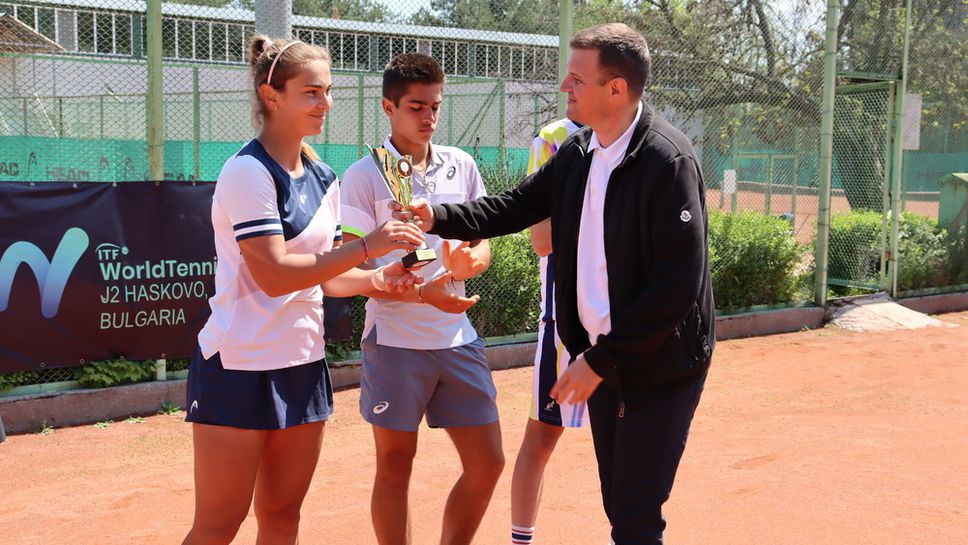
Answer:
[(861, 158), (933, 246), (743, 79)]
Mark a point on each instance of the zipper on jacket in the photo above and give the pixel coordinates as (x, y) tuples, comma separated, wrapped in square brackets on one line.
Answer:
[(621, 405)]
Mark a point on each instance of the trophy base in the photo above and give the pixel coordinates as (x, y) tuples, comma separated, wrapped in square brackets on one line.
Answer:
[(418, 258)]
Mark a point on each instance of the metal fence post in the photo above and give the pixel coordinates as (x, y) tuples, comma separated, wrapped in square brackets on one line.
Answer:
[(274, 18), (377, 112), (155, 107), (566, 11), (826, 153), (196, 123), (359, 116), (450, 121), (900, 90), (155, 124), (537, 119), (502, 112), (325, 139)]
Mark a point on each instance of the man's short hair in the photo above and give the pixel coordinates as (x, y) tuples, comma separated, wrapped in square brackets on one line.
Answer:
[(407, 68), (622, 53)]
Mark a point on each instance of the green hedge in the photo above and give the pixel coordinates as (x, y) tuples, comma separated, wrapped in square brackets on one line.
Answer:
[(509, 289), (102, 374), (854, 248), (928, 255), (18, 378), (957, 263), (922, 253), (96, 374), (754, 260)]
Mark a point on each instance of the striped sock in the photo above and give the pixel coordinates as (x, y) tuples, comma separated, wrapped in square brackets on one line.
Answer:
[(521, 535)]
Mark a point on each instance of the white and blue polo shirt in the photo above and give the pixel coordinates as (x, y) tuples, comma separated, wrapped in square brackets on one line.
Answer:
[(255, 196), (451, 177)]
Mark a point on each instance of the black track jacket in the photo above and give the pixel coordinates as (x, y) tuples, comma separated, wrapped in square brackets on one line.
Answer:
[(660, 295)]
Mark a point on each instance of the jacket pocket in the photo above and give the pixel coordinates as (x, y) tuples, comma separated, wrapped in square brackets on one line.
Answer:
[(684, 354), (695, 337)]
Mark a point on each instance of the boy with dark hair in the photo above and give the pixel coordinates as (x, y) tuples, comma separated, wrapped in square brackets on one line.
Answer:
[(408, 68), (421, 356)]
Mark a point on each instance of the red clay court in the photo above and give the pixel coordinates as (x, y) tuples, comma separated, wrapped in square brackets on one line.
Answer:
[(808, 438)]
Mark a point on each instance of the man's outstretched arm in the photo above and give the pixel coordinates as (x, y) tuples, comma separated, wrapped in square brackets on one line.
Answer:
[(491, 216)]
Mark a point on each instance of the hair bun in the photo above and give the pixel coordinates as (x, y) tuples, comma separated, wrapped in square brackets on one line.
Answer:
[(258, 45)]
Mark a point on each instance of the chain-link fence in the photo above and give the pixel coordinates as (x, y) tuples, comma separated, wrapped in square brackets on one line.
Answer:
[(743, 79), (861, 159), (745, 85), (933, 245)]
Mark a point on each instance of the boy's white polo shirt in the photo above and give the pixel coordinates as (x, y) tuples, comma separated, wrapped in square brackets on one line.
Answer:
[(451, 177)]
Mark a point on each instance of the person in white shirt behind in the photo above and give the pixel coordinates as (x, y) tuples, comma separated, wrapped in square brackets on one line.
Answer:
[(548, 418)]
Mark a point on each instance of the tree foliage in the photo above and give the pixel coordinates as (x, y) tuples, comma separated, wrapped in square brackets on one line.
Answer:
[(525, 16), (757, 67), (357, 10)]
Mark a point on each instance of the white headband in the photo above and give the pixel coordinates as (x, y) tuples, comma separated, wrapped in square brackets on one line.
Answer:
[(276, 59)]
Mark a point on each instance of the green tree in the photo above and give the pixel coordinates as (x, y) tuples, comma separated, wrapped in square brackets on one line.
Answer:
[(524, 16), (206, 3), (357, 10), (757, 67)]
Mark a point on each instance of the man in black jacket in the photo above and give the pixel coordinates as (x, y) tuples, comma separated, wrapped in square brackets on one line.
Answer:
[(635, 304)]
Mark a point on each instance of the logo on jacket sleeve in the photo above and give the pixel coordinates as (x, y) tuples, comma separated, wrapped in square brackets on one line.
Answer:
[(685, 216)]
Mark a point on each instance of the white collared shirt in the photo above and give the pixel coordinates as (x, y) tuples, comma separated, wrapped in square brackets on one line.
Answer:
[(451, 177), (592, 279)]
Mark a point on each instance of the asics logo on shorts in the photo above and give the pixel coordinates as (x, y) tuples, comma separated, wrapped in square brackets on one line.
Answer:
[(381, 407)]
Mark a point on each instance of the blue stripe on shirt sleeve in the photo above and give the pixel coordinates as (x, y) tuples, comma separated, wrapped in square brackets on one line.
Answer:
[(262, 233), (254, 223)]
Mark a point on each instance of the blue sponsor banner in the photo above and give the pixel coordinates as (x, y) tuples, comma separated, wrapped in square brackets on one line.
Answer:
[(92, 271)]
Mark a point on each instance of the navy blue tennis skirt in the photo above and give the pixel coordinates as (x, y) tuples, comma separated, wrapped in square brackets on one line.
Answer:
[(257, 400)]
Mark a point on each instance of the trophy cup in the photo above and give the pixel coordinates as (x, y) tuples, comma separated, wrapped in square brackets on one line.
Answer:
[(396, 175)]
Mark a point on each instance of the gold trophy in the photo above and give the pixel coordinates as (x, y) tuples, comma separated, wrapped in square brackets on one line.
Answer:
[(396, 175)]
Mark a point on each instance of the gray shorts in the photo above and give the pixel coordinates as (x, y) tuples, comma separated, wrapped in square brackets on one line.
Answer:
[(452, 386)]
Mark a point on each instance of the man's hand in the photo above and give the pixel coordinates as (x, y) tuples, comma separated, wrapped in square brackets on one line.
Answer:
[(441, 294), (420, 213), (576, 384), (463, 262)]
